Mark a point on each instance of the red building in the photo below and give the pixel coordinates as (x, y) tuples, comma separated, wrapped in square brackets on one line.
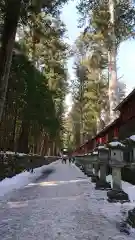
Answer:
[(122, 127)]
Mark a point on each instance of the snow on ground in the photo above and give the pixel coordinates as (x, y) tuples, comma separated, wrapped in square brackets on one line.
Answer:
[(20, 180), (64, 206), (115, 212), (13, 153), (123, 209), (127, 187), (116, 143)]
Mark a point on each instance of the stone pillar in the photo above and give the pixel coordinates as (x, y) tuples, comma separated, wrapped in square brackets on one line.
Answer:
[(117, 163), (96, 169), (89, 170), (103, 172), (102, 184), (78, 161), (130, 142), (116, 176), (117, 194), (103, 161), (84, 165), (95, 176)]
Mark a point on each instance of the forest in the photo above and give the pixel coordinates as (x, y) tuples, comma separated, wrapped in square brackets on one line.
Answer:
[(96, 89), (34, 78)]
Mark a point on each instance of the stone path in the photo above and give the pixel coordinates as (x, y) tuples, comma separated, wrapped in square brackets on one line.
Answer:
[(63, 206)]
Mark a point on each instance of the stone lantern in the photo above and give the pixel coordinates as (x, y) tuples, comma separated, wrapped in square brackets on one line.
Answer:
[(103, 159), (117, 163), (88, 164), (94, 156), (78, 160), (132, 138), (131, 148), (83, 164)]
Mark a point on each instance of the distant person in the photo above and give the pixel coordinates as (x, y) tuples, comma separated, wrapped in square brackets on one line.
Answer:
[(65, 158), (70, 160)]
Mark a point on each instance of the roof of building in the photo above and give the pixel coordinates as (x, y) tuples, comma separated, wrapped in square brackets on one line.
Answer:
[(101, 132), (125, 100), (107, 127)]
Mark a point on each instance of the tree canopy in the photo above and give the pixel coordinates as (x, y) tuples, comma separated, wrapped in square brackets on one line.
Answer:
[(32, 119)]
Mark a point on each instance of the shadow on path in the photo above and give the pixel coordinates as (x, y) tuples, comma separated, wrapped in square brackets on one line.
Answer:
[(45, 174)]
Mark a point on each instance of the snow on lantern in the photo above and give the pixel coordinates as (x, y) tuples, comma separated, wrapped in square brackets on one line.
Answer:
[(103, 156), (117, 163), (103, 153), (116, 151)]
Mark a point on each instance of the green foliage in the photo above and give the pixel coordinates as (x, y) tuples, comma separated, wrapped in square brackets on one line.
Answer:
[(29, 94), (90, 87), (34, 108), (89, 100), (98, 17)]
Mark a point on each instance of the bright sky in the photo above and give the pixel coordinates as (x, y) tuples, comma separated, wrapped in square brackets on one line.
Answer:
[(126, 56)]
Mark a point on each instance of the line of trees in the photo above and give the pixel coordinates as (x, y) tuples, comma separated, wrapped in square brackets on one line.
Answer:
[(96, 87), (33, 76)]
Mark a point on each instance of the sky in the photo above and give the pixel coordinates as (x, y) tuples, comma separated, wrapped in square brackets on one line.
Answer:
[(126, 54)]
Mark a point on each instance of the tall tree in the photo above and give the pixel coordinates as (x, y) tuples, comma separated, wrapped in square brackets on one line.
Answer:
[(110, 22), (25, 108), (11, 18), (91, 103), (50, 54), (12, 11), (33, 113)]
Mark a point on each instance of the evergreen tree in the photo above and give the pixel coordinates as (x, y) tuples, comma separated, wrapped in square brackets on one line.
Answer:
[(109, 23), (33, 113), (15, 12)]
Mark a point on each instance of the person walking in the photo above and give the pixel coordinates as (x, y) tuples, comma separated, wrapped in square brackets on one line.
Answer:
[(70, 160)]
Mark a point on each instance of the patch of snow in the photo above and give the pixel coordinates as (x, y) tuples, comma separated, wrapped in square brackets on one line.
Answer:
[(9, 153), (89, 154), (102, 147), (13, 153), (95, 153), (127, 187), (115, 144), (21, 154), (20, 180), (132, 137), (113, 213)]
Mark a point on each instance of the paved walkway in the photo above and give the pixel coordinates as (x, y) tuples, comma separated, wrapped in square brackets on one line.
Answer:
[(63, 206)]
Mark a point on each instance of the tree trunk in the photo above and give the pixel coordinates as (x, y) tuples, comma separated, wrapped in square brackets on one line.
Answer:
[(23, 139), (98, 126), (81, 108), (38, 143), (113, 84), (12, 142), (46, 146), (42, 143), (51, 148), (7, 42)]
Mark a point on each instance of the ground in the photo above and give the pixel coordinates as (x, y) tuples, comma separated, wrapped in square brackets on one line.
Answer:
[(61, 206)]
